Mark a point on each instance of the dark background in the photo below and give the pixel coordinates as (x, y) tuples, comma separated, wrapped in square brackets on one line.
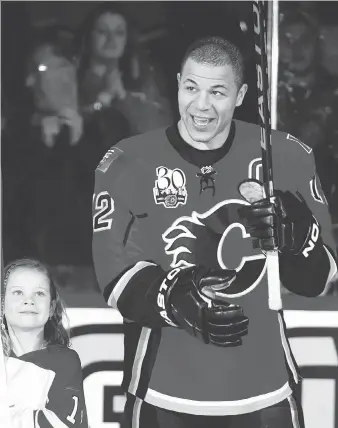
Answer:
[(167, 27), (171, 26)]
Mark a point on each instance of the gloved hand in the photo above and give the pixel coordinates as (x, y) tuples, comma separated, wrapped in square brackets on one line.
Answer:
[(286, 224), (192, 299)]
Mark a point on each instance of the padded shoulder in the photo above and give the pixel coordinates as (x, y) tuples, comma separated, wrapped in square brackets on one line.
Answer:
[(112, 155)]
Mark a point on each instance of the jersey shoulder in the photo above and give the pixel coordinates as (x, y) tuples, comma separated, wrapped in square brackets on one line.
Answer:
[(65, 359), (129, 150), (128, 162), (59, 359), (282, 142), (290, 144)]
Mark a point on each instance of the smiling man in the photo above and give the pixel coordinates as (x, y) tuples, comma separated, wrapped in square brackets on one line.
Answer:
[(173, 252), (209, 92)]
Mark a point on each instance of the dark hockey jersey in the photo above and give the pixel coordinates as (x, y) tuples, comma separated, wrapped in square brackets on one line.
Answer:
[(153, 206), (45, 389)]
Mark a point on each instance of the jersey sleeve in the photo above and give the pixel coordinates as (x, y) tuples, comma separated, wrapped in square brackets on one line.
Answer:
[(123, 270), (66, 401), (316, 266)]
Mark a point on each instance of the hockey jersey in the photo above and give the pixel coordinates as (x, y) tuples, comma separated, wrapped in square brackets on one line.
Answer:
[(45, 389), (155, 206)]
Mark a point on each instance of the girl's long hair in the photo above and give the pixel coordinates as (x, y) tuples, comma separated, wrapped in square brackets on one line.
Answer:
[(54, 331)]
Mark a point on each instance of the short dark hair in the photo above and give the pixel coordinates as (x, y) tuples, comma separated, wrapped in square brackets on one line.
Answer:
[(299, 16), (216, 51), (60, 38)]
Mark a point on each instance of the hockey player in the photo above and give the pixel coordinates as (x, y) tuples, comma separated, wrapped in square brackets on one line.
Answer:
[(44, 376), (173, 253)]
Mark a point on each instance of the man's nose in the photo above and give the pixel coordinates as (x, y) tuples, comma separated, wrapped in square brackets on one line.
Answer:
[(111, 38), (203, 101), (30, 81)]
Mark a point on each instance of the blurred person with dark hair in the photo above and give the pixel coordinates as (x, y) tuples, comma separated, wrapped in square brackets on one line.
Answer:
[(44, 376), (52, 79), (307, 93), (329, 61), (50, 157), (114, 72)]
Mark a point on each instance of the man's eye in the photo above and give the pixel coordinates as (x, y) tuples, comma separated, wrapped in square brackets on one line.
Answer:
[(120, 33), (101, 32), (190, 88), (218, 93), (17, 292)]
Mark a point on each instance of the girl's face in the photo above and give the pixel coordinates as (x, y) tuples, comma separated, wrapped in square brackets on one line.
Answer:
[(27, 299), (109, 36)]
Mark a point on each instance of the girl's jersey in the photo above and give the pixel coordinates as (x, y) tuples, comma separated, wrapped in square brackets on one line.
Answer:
[(45, 389)]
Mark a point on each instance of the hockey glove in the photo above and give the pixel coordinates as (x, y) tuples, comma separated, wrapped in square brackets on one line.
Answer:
[(286, 224), (192, 300)]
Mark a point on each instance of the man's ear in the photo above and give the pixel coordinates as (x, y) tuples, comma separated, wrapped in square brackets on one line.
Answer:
[(241, 94), (178, 78)]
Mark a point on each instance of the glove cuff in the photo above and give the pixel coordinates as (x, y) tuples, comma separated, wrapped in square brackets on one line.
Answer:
[(310, 238), (163, 296)]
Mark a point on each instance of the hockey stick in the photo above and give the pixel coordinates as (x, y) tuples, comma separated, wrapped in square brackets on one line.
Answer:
[(260, 35)]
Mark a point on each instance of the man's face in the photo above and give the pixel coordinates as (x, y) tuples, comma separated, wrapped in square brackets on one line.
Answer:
[(52, 80), (207, 98), (297, 47)]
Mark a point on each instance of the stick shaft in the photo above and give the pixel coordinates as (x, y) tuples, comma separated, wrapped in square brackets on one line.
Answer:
[(260, 36)]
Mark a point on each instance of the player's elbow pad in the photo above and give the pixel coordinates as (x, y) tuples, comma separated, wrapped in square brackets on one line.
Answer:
[(307, 274)]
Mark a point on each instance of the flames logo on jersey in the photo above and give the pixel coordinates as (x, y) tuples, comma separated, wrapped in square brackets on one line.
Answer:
[(170, 187), (217, 239)]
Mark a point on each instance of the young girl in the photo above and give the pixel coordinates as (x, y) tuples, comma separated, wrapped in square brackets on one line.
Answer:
[(44, 377)]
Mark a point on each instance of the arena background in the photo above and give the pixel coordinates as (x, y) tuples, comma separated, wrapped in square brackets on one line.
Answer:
[(97, 333)]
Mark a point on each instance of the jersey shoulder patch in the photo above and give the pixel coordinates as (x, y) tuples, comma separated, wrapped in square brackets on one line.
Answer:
[(112, 154), (303, 145)]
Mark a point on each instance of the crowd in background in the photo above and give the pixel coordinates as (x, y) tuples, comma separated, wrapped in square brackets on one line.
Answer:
[(308, 88), (89, 87), (87, 91), (308, 92)]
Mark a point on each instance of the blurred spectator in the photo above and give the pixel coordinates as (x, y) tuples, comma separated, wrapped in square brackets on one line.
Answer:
[(329, 60), (308, 95), (114, 73), (49, 158)]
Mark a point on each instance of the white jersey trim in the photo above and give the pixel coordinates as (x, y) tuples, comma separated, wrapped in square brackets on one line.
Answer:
[(136, 413), (294, 412), (123, 282), (217, 408), (332, 272), (138, 359), (333, 265), (255, 167), (287, 350)]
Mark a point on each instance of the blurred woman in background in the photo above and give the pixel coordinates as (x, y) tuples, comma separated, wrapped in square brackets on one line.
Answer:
[(114, 72), (44, 377), (50, 156)]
